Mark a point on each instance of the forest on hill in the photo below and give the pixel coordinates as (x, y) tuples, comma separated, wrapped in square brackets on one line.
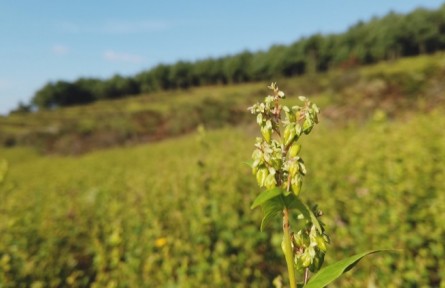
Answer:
[(398, 88), (387, 38)]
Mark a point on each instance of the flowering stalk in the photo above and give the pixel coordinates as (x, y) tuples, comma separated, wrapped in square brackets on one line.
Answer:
[(280, 170)]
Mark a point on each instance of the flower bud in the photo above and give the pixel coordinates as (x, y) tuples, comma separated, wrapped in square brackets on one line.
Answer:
[(301, 239), (321, 244), (276, 163), (306, 259), (297, 115), (296, 184), (307, 125), (267, 133), (293, 168), (289, 115), (302, 169), (261, 176), (257, 155), (270, 181), (294, 150), (298, 262), (289, 133)]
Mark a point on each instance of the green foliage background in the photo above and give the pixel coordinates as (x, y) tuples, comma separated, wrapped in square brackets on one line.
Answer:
[(176, 213)]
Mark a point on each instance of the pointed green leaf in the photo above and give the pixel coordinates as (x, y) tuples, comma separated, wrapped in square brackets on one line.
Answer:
[(271, 209), (293, 201), (248, 163), (330, 273), (266, 195)]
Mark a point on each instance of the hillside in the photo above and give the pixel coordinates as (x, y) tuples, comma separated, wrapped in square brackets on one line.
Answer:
[(177, 213), (393, 88)]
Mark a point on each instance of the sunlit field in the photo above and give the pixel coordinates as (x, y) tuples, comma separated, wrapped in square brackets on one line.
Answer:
[(176, 213)]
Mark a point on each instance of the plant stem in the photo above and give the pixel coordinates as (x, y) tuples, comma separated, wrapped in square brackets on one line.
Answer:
[(288, 253)]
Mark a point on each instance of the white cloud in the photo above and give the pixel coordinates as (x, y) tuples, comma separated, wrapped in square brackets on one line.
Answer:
[(60, 50), (114, 27), (133, 27), (113, 56)]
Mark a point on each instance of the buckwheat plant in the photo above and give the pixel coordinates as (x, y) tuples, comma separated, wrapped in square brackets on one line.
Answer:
[(280, 170)]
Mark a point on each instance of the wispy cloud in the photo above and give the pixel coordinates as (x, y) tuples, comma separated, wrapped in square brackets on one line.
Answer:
[(114, 27), (113, 56), (60, 50), (133, 27)]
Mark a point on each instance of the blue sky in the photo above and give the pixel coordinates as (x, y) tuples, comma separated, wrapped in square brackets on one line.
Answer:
[(43, 41)]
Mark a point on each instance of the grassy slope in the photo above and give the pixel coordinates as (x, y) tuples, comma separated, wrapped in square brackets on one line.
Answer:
[(176, 212), (397, 87)]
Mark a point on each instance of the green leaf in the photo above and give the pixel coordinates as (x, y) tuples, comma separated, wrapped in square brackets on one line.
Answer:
[(330, 273), (271, 209), (295, 202), (249, 163), (307, 125), (266, 195)]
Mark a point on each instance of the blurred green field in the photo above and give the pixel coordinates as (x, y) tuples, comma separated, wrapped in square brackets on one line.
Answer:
[(176, 213), (174, 210)]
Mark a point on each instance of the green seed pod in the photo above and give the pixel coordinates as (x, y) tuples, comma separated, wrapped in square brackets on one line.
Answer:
[(297, 113), (302, 167), (301, 240), (257, 154), (276, 163), (311, 251), (321, 244), (315, 111), (270, 181), (267, 133), (293, 168), (289, 115), (298, 130), (261, 176), (307, 125), (298, 262), (289, 133), (296, 184), (306, 259), (294, 150)]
